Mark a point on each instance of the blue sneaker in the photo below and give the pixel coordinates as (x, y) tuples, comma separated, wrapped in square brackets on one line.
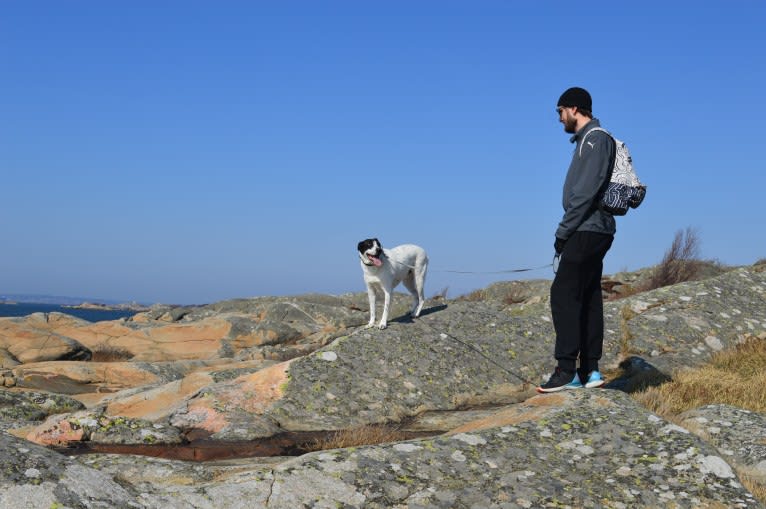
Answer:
[(594, 380), (561, 380)]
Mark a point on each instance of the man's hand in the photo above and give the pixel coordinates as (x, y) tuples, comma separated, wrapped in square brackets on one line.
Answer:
[(559, 245)]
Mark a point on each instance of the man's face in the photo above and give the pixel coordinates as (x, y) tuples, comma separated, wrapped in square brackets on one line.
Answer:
[(566, 117)]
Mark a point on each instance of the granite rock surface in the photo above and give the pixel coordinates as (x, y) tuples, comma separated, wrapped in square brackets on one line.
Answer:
[(259, 369)]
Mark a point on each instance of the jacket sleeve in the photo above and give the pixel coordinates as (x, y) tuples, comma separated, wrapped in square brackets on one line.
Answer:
[(591, 173)]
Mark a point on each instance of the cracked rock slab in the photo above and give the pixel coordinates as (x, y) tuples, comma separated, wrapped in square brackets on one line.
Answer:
[(739, 435)]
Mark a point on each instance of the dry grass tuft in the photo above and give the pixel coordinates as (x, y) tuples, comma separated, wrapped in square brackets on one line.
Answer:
[(369, 434), (733, 377), (626, 337), (516, 296), (474, 296), (757, 488), (746, 359), (107, 353), (679, 264), (441, 294)]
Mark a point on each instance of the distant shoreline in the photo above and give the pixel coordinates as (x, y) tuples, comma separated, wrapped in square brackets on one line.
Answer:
[(98, 314), (94, 306)]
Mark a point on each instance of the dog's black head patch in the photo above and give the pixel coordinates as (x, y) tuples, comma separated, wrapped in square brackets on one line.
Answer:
[(370, 251), (368, 244)]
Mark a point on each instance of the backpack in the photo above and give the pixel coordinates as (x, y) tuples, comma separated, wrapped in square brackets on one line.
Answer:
[(623, 190)]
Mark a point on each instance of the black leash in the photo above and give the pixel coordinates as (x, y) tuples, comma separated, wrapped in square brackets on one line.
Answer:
[(475, 349), (508, 271), (554, 264)]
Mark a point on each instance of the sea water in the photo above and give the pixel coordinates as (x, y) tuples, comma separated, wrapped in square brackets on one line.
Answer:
[(91, 315)]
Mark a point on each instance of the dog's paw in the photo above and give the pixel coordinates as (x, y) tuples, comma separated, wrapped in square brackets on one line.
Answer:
[(369, 325), (382, 325)]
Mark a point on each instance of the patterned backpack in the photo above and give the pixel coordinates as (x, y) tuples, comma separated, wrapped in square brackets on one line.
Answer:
[(623, 191)]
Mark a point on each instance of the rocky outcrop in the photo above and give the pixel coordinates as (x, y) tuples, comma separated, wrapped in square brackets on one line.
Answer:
[(87, 425), (574, 449), (581, 449), (68, 377), (267, 368), (36, 338), (35, 477), (7, 360), (456, 355), (265, 328), (23, 408), (738, 435), (464, 354), (683, 325), (94, 382)]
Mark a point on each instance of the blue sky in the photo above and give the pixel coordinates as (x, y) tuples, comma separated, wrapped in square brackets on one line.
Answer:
[(189, 152)]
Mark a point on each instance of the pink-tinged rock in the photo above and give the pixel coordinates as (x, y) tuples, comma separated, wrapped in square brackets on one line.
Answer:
[(60, 430), (70, 377), (26, 343), (7, 360), (51, 336), (159, 402), (153, 343), (536, 408), (213, 410)]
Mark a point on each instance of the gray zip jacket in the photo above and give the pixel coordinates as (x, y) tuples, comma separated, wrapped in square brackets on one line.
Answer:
[(587, 174)]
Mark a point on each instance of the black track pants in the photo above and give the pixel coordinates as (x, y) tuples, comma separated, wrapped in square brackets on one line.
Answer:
[(576, 302)]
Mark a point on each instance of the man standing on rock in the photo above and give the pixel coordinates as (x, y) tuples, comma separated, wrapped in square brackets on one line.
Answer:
[(583, 237)]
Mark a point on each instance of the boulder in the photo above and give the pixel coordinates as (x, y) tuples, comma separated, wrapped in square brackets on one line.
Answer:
[(68, 377), (19, 409), (35, 338), (150, 397), (94, 425), (234, 410), (155, 342), (33, 477), (7, 360)]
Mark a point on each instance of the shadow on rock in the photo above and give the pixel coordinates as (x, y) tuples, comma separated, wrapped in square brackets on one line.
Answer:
[(433, 309), (407, 317), (637, 375)]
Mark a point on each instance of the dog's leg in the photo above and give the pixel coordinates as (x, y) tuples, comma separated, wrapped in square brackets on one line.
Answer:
[(420, 301), (420, 284), (386, 305), (417, 297), (371, 297)]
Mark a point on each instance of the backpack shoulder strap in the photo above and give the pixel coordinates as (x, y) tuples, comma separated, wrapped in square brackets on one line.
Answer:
[(586, 135), (602, 190)]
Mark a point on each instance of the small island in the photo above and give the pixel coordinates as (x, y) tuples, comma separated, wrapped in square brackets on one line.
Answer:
[(97, 306)]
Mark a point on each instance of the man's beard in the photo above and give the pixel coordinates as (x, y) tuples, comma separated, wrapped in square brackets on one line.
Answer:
[(570, 125)]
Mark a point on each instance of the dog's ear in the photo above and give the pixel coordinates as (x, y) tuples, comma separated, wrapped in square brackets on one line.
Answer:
[(376, 240), (360, 246)]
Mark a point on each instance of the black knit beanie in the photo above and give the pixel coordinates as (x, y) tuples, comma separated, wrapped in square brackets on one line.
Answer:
[(576, 96)]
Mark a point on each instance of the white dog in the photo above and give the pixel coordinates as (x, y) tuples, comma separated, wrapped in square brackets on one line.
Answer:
[(385, 268)]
